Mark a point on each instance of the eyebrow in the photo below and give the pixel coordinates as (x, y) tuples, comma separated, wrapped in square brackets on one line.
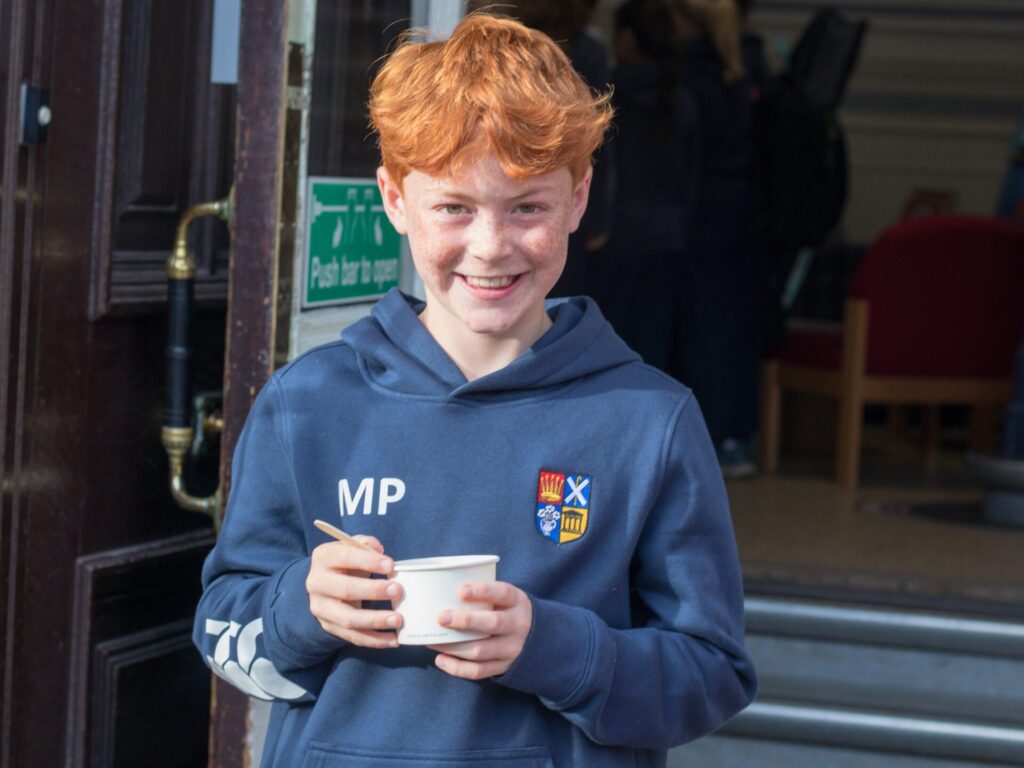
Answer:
[(529, 192), (540, 188)]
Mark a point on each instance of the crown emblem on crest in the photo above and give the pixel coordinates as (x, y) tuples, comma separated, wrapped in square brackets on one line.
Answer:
[(551, 486)]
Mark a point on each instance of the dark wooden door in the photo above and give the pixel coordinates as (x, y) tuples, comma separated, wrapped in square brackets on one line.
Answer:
[(99, 570), (266, 171)]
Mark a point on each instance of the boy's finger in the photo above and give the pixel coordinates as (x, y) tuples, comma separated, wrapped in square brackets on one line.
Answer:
[(499, 593), (370, 541), (469, 670), (364, 618), (487, 649), (363, 638), (484, 622), (345, 616), (345, 557), (352, 588)]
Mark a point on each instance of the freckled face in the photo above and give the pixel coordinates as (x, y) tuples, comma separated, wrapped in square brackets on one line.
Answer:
[(487, 247)]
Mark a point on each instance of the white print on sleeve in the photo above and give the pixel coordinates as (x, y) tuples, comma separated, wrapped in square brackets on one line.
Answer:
[(253, 675)]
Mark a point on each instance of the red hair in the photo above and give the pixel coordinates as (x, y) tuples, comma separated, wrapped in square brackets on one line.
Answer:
[(493, 85)]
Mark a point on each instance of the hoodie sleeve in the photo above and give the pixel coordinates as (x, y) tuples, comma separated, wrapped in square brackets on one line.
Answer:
[(682, 670), (253, 625)]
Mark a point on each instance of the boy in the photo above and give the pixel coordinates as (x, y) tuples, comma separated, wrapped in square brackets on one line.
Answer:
[(480, 421)]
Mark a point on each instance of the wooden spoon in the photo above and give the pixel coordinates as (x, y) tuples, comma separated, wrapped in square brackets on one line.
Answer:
[(340, 535)]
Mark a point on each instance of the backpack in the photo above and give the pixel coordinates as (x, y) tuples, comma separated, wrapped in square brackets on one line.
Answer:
[(802, 157)]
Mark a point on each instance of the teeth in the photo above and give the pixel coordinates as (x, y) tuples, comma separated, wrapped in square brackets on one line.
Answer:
[(489, 282)]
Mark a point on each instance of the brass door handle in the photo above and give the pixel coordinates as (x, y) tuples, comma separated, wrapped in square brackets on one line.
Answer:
[(177, 432)]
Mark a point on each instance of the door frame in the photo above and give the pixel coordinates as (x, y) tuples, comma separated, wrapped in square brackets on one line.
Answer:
[(251, 322)]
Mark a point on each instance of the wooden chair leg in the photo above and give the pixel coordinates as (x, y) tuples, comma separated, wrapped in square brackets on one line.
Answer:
[(771, 416), (848, 437), (851, 395)]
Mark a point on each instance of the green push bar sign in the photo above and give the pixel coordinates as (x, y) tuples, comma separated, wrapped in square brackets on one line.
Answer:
[(352, 251)]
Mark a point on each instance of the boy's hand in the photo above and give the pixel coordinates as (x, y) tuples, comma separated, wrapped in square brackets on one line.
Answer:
[(339, 582), (508, 625)]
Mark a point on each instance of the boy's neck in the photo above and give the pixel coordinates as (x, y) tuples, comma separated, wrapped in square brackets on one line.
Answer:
[(476, 354)]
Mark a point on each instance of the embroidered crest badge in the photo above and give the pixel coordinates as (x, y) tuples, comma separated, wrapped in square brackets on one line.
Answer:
[(563, 505)]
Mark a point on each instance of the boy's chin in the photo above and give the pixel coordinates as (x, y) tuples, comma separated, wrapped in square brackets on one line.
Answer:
[(498, 323), (482, 325)]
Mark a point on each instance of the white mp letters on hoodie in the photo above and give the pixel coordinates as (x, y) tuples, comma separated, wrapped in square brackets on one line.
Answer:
[(392, 489)]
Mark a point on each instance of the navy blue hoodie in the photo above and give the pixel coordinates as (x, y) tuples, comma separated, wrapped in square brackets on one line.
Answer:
[(589, 473)]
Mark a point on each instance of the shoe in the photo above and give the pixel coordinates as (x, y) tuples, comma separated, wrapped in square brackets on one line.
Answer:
[(734, 459)]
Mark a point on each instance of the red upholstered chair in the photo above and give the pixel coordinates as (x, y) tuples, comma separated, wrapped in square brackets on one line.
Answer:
[(933, 317)]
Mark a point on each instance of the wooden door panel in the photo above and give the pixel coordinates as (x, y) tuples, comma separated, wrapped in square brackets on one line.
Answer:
[(163, 143), (100, 569), (136, 681), (128, 670), (153, 131)]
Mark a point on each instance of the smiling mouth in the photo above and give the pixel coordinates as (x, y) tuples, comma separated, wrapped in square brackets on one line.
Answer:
[(493, 283)]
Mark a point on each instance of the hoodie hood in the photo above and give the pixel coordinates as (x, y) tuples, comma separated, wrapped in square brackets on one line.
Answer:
[(398, 353)]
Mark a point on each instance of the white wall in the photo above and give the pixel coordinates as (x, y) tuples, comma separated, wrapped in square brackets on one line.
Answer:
[(934, 103)]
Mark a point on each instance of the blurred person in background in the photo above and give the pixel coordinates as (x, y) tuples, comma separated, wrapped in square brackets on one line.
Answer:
[(721, 295), (654, 154)]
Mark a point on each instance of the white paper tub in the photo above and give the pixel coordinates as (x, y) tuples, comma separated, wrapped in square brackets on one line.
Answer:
[(431, 585)]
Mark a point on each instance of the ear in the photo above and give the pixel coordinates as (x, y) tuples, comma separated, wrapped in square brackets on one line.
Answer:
[(394, 201), (580, 195)]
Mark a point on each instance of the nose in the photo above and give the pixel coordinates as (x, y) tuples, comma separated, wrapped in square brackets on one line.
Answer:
[(488, 238)]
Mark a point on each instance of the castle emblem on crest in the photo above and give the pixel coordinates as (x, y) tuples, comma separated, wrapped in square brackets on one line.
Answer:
[(563, 505)]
